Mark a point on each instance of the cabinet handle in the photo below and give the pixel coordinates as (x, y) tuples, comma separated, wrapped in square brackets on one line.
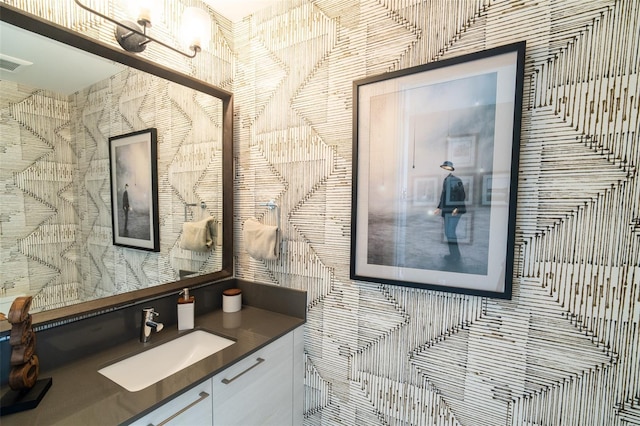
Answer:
[(203, 396), (258, 361)]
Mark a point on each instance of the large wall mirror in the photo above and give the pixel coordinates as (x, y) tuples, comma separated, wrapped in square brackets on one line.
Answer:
[(62, 96)]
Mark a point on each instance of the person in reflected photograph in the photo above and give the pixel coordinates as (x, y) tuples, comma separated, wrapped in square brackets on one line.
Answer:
[(451, 207), (126, 207)]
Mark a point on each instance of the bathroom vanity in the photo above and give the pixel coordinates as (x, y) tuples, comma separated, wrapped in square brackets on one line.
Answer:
[(258, 390), (256, 380)]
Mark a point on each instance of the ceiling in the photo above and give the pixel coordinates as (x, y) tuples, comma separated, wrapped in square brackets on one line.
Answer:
[(235, 10), (50, 65)]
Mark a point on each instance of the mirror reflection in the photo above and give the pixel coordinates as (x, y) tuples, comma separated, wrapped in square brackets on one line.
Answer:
[(59, 107)]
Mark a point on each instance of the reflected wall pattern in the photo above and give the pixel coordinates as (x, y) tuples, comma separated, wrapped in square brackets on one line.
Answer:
[(65, 238), (57, 242), (565, 349)]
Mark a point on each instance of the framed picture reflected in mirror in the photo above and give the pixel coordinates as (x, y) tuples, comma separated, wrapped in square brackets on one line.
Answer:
[(133, 161)]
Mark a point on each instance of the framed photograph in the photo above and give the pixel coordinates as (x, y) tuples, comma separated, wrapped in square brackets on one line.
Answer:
[(133, 161), (461, 150), (432, 131), (495, 189)]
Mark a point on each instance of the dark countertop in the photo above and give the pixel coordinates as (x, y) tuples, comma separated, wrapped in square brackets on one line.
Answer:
[(80, 395)]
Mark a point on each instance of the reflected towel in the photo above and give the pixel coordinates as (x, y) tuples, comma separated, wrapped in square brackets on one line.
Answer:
[(260, 240), (198, 236)]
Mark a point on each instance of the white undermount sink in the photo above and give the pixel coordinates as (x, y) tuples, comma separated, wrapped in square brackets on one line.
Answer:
[(146, 368)]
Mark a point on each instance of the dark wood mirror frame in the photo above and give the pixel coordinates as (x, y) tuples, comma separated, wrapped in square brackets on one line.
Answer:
[(53, 31)]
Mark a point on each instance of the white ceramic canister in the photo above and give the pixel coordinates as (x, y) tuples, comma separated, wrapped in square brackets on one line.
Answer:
[(231, 300)]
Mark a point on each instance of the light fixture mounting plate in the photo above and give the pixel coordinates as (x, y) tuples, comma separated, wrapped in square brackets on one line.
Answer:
[(129, 40)]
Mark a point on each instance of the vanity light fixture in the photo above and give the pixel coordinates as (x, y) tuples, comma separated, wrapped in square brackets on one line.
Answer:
[(133, 36)]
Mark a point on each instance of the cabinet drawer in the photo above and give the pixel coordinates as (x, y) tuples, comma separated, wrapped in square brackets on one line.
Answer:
[(258, 390), (193, 408)]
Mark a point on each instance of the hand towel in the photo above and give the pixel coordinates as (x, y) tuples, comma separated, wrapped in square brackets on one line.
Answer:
[(198, 236), (261, 240)]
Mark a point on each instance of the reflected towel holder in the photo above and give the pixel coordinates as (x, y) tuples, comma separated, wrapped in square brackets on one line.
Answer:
[(271, 204), (203, 205)]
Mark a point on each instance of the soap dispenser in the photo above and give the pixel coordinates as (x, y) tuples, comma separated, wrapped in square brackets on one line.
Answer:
[(186, 310)]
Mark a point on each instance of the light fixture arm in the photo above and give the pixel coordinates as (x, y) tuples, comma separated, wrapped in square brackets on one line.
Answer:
[(132, 31)]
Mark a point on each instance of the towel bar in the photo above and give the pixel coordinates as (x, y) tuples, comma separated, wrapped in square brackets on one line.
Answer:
[(186, 205), (271, 204)]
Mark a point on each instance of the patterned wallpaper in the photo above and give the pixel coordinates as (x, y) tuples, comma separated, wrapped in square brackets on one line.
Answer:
[(566, 348)]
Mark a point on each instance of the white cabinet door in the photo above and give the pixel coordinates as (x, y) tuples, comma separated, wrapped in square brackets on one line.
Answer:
[(257, 391), (298, 376), (193, 408)]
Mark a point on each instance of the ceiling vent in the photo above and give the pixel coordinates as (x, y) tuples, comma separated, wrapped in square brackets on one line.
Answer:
[(11, 64)]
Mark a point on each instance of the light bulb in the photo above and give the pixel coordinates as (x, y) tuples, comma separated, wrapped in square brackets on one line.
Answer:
[(147, 11), (196, 28)]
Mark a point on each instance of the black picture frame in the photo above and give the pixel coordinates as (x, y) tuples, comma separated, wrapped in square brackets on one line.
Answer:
[(133, 162), (408, 126)]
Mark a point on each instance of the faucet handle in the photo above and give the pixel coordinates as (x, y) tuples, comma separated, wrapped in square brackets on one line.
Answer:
[(150, 313)]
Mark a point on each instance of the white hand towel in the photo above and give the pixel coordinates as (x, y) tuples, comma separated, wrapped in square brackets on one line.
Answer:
[(260, 240), (198, 236)]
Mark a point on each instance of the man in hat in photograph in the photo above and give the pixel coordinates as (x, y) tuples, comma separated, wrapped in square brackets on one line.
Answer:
[(450, 207), (126, 207)]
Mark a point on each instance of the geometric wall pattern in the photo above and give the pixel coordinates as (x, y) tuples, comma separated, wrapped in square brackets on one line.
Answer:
[(566, 349), (57, 242)]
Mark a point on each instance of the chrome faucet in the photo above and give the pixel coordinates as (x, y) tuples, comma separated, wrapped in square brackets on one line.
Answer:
[(149, 324)]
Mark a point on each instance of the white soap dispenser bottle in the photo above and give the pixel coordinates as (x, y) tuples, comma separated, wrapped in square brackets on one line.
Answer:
[(186, 310)]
